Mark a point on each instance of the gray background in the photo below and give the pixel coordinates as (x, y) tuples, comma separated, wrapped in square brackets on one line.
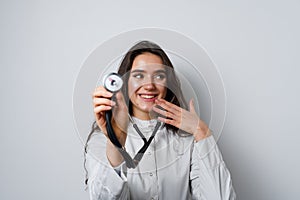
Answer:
[(255, 45)]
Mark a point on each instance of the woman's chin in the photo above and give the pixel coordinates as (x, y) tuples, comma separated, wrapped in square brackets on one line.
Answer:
[(145, 112), (147, 109)]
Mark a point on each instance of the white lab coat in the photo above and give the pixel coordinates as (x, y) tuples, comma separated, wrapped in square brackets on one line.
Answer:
[(173, 167)]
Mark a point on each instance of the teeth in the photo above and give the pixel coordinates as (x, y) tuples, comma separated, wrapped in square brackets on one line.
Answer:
[(147, 96)]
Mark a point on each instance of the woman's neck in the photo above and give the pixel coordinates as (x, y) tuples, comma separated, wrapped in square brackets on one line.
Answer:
[(144, 115)]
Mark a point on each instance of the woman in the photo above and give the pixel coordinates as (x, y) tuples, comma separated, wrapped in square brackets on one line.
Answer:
[(183, 160)]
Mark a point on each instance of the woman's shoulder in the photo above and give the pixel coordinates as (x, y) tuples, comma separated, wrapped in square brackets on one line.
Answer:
[(96, 143)]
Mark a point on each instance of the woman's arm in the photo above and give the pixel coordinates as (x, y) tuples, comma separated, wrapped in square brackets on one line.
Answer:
[(103, 103), (103, 180), (209, 176)]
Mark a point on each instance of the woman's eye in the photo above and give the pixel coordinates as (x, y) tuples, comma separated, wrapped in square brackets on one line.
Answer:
[(160, 76), (138, 76)]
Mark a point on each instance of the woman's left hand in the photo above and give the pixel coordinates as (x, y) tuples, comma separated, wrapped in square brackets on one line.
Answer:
[(185, 120)]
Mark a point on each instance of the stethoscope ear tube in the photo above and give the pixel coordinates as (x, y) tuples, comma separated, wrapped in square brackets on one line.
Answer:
[(141, 152)]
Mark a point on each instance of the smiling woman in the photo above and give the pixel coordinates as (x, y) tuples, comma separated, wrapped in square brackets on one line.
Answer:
[(182, 162)]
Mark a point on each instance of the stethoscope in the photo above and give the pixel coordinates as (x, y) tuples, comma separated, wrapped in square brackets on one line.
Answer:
[(113, 83)]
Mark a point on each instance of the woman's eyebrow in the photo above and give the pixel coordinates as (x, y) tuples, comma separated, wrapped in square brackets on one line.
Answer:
[(160, 71), (137, 70), (143, 71)]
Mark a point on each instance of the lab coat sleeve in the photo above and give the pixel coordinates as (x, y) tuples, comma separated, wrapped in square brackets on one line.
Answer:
[(209, 177), (104, 182)]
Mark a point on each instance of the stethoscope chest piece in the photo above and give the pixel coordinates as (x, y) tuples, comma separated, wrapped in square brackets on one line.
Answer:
[(113, 82)]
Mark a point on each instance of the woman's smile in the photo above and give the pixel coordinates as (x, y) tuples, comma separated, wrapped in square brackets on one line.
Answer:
[(148, 97)]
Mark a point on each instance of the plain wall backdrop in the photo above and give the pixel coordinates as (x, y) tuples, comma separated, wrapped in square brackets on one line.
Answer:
[(255, 45)]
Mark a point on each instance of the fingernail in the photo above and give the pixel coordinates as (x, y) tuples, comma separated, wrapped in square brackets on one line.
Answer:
[(113, 103)]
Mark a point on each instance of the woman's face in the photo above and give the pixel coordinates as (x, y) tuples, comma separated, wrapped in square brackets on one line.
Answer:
[(146, 83)]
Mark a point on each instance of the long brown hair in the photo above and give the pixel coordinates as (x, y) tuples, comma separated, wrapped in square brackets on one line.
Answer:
[(173, 95)]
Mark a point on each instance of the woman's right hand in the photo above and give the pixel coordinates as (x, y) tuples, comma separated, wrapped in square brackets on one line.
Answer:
[(102, 102)]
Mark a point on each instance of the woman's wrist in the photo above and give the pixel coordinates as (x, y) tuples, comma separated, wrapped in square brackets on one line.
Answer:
[(201, 132), (121, 134), (113, 154)]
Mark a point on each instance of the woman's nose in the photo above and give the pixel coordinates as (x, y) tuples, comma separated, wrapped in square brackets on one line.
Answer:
[(149, 83), (149, 86)]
